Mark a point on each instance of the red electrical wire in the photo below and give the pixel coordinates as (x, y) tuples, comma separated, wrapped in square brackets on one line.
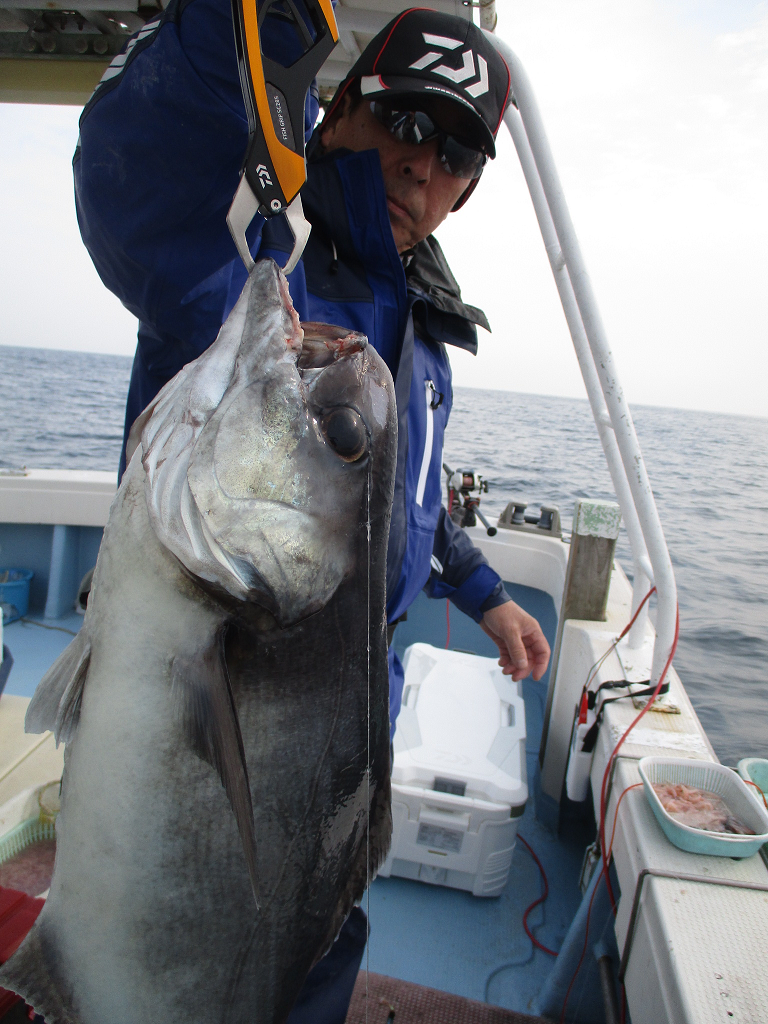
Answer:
[(616, 814), (596, 667), (583, 953), (593, 672), (749, 782), (589, 909), (606, 852), (614, 754), (535, 903)]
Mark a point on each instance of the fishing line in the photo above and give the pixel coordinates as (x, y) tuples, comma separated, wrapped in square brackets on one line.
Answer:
[(368, 766)]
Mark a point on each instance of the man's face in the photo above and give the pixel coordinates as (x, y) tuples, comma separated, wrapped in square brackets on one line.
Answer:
[(420, 193)]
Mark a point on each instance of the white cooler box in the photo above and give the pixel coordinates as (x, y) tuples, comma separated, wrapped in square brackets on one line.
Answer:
[(459, 782)]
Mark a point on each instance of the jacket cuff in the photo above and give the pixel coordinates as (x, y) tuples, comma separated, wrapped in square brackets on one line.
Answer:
[(479, 592), (496, 597)]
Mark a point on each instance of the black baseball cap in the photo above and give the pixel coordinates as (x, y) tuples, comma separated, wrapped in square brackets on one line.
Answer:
[(425, 56)]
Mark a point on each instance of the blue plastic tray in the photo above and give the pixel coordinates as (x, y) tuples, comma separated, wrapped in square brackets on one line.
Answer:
[(717, 779)]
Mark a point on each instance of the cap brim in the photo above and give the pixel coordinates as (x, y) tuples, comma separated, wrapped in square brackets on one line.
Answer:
[(402, 87)]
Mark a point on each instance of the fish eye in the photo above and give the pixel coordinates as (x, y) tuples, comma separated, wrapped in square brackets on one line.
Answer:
[(345, 430)]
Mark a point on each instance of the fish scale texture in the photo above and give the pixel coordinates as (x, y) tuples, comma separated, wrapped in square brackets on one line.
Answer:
[(391, 1001)]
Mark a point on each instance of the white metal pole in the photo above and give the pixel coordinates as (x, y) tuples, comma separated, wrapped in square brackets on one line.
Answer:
[(618, 411), (488, 15), (643, 571)]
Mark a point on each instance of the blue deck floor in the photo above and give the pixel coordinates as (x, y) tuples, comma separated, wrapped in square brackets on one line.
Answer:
[(472, 946), (35, 644)]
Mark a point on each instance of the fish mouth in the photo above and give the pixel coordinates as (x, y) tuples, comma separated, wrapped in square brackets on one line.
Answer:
[(229, 443), (324, 344), (316, 345), (293, 554)]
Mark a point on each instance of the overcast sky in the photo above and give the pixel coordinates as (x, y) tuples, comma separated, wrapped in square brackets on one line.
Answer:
[(657, 114)]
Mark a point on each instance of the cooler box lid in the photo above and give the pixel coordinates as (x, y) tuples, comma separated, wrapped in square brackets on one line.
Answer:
[(461, 727)]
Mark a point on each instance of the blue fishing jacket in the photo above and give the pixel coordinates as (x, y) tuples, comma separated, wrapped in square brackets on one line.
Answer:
[(161, 146)]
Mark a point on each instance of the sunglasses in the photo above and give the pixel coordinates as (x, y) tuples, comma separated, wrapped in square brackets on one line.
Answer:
[(415, 127)]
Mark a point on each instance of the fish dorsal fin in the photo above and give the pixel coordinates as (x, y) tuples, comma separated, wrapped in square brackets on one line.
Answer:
[(56, 703), (202, 689)]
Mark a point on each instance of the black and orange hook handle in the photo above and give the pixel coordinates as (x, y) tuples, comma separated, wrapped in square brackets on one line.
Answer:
[(274, 95)]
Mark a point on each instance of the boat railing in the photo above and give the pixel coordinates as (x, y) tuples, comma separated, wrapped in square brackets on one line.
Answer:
[(651, 562)]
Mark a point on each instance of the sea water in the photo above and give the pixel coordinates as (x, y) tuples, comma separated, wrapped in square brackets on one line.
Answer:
[(709, 474)]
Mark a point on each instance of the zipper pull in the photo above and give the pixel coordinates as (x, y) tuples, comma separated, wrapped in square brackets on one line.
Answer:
[(437, 396)]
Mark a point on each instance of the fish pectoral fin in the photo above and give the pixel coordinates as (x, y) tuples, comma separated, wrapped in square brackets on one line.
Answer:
[(55, 705), (202, 689)]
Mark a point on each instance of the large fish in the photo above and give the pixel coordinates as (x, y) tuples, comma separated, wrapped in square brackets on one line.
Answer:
[(232, 659)]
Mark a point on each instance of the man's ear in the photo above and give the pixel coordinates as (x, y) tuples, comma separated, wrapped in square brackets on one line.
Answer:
[(330, 125)]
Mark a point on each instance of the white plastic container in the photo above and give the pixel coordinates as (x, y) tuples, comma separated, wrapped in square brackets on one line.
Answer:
[(459, 781), (580, 760)]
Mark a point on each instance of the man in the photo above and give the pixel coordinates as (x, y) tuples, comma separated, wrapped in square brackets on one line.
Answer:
[(403, 144)]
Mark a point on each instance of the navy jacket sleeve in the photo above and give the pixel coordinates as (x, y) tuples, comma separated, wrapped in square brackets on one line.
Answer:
[(461, 572), (161, 145)]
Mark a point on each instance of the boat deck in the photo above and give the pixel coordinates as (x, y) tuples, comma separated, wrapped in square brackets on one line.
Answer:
[(467, 947), (35, 643), (448, 939)]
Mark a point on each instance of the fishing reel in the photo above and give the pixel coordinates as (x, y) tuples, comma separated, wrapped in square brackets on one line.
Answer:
[(465, 488)]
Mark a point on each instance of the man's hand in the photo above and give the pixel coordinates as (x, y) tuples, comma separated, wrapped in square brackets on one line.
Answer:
[(522, 645)]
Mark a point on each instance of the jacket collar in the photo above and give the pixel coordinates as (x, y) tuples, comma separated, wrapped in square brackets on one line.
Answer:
[(428, 277), (428, 273)]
